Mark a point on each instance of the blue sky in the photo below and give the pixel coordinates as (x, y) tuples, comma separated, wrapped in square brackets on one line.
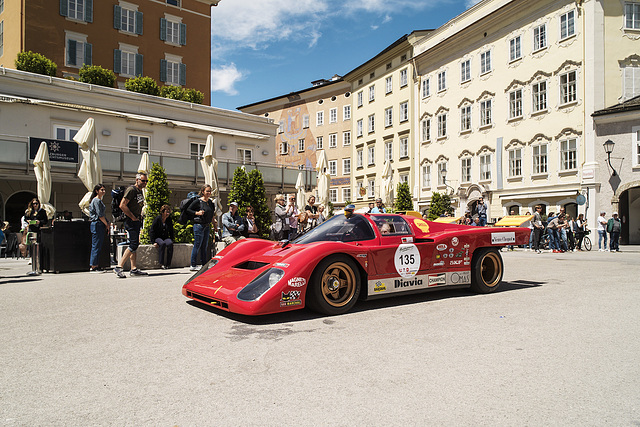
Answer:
[(267, 48)]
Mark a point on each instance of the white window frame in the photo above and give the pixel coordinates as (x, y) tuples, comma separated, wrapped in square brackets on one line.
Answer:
[(68, 130), (333, 167), (359, 99), (388, 117), (539, 96), (442, 81), (388, 85), (515, 162), (426, 176), (403, 78), (359, 158), (630, 81), (346, 194), (78, 12), (465, 118), (425, 130), (371, 155), (173, 30), (442, 125), (426, 88), (359, 128), (319, 142), (403, 178), (567, 25), (301, 145), (631, 16), (441, 166), (305, 121), (515, 104), (486, 107), (138, 147), (319, 118), (371, 184), (81, 42), (333, 140), (540, 158), (284, 148), (333, 115), (196, 149), (403, 147), (346, 138), (333, 195), (515, 48), (2, 34), (128, 60), (485, 62), (540, 41), (568, 154), (346, 112), (485, 167), (404, 111), (635, 146), (388, 151), (372, 93), (371, 123), (465, 170), (568, 87), (465, 71), (346, 166)]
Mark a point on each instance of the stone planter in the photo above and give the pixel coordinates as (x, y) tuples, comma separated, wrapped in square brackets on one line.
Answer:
[(147, 256)]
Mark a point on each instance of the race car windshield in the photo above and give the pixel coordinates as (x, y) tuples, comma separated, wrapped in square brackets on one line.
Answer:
[(339, 229)]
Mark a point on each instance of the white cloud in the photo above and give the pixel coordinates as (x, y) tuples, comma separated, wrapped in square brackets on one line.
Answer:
[(224, 78)]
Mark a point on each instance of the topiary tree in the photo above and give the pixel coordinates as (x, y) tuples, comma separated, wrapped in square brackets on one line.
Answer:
[(257, 198), (172, 92), (440, 205), (193, 96), (240, 189), (142, 85), (158, 194), (97, 75), (404, 201), (36, 63)]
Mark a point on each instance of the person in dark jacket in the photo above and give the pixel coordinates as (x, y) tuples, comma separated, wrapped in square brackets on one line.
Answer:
[(161, 234), (202, 210), (36, 216)]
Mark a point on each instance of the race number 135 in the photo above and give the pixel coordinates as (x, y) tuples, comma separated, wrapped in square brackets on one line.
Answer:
[(407, 260)]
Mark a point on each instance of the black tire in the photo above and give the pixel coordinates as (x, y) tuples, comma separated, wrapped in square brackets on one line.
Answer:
[(487, 269), (586, 242), (335, 285)]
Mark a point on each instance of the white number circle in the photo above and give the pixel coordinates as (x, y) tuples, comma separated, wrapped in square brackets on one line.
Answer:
[(407, 260)]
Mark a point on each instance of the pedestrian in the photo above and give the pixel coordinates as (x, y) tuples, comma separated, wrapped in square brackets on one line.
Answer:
[(481, 211), (379, 207), (538, 228), (162, 235), (312, 211), (570, 233), (602, 232), (251, 229), (553, 228), (476, 221), (614, 226), (36, 217), (529, 246), (99, 226), (579, 228), (202, 210), (131, 206), (371, 206), (280, 227), (232, 225), (293, 218), (321, 218)]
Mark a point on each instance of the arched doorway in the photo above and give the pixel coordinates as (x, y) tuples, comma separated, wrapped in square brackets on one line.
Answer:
[(571, 209), (15, 207), (629, 213), (513, 208)]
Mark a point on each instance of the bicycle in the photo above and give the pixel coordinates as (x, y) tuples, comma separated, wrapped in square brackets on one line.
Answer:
[(586, 241)]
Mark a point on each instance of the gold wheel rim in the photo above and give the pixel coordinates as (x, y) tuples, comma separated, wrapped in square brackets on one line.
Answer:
[(490, 269), (338, 284)]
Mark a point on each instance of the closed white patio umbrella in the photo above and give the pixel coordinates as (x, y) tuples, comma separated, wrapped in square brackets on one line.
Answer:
[(387, 184), (210, 171), (42, 169), (144, 167), (323, 181), (300, 195), (90, 172)]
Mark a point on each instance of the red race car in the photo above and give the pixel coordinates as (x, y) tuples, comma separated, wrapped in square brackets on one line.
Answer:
[(358, 256)]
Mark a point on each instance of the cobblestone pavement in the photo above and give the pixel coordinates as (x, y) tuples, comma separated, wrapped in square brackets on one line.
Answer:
[(557, 345)]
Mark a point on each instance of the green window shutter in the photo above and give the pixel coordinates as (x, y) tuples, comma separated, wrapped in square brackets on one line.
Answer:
[(88, 11), (183, 74), (88, 50), (139, 23), (71, 52), (117, 60), (163, 70), (64, 7), (183, 34), (163, 29), (138, 64), (117, 17)]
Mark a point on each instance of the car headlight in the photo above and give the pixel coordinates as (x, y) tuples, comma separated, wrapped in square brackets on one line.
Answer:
[(204, 268), (261, 284)]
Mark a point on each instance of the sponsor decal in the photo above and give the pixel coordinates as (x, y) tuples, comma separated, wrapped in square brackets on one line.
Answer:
[(407, 240), (456, 262), (438, 264), (466, 246), (379, 287), (219, 256), (399, 283), (290, 298), (422, 225), (467, 263), (459, 278), (297, 282), (460, 254), (450, 249), (281, 264), (441, 247), (407, 260), (503, 238), (437, 279), (454, 241), (361, 255), (438, 256)]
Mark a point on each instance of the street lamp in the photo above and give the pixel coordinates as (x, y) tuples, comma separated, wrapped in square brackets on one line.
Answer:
[(608, 148), (443, 174)]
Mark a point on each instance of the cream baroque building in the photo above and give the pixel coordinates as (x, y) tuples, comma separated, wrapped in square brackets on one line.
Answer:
[(504, 97), (383, 119)]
